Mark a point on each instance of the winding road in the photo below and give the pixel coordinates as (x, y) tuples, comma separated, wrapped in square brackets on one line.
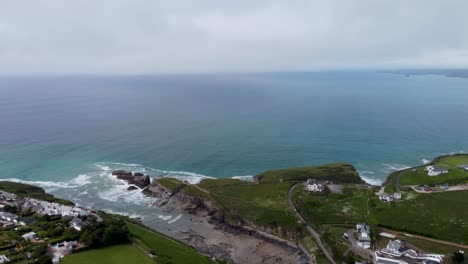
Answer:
[(309, 228)]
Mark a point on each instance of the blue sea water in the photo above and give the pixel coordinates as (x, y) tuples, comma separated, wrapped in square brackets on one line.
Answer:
[(67, 134)]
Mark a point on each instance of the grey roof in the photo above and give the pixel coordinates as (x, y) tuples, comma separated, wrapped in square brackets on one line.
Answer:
[(76, 221), (438, 169), (394, 245), (312, 181), (364, 239), (28, 220), (9, 215)]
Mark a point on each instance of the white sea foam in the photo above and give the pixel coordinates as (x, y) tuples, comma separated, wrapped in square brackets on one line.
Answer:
[(115, 190), (175, 219), (425, 161), (372, 181), (79, 181), (164, 217), (249, 178), (389, 167)]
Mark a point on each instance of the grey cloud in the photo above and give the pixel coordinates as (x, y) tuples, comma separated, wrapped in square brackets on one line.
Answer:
[(144, 36)]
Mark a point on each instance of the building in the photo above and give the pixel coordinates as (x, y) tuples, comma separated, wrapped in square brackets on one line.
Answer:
[(364, 235), (4, 259), (385, 197), (397, 196), (77, 223), (9, 217), (27, 221), (435, 171), (463, 167), (398, 250), (29, 236), (313, 185)]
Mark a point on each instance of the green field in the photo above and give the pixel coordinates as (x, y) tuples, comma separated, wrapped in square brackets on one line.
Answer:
[(336, 172), (417, 175), (166, 249), (350, 207), (440, 215), (121, 254)]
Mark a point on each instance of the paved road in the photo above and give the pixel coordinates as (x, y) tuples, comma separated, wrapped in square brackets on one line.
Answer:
[(310, 229)]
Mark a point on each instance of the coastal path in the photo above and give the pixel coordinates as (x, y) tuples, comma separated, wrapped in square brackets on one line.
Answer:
[(314, 233)]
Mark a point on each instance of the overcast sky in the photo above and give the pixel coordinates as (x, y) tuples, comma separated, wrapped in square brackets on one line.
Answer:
[(151, 36)]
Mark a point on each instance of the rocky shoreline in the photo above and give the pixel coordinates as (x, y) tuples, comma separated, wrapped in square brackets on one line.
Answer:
[(202, 225)]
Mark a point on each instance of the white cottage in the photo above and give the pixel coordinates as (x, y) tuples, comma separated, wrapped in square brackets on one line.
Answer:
[(314, 186)]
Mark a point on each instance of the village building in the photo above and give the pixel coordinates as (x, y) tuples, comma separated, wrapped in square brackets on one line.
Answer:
[(314, 185), (27, 221), (9, 217), (398, 250), (397, 196), (385, 197), (463, 167), (77, 223), (435, 171), (364, 235), (4, 259), (29, 236)]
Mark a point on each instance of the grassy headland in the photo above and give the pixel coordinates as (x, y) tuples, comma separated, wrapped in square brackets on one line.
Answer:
[(26, 190), (418, 176), (336, 172)]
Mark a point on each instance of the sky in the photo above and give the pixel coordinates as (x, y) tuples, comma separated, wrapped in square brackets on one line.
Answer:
[(151, 36)]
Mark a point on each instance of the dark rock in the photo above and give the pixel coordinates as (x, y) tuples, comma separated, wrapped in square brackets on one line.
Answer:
[(138, 174), (138, 179), (131, 188)]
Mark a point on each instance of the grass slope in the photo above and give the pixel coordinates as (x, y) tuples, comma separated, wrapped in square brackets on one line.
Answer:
[(439, 215), (336, 172), (166, 249), (263, 204), (417, 175), (121, 254)]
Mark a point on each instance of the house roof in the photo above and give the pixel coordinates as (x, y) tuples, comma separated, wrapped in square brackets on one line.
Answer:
[(394, 245), (312, 181), (30, 234), (28, 220)]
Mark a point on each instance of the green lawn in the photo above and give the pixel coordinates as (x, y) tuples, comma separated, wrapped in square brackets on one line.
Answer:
[(418, 176), (167, 250), (121, 254), (337, 172), (439, 215)]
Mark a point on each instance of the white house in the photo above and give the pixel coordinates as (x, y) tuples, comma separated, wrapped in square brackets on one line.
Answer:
[(385, 197), (314, 186), (4, 259), (397, 196), (435, 171), (364, 235), (29, 236), (77, 223), (463, 167)]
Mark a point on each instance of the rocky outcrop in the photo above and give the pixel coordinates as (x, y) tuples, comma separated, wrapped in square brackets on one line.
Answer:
[(131, 188), (138, 179)]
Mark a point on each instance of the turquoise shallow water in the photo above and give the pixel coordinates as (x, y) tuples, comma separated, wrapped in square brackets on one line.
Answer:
[(67, 133)]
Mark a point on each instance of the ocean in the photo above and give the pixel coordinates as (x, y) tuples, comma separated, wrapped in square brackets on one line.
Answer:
[(67, 134)]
